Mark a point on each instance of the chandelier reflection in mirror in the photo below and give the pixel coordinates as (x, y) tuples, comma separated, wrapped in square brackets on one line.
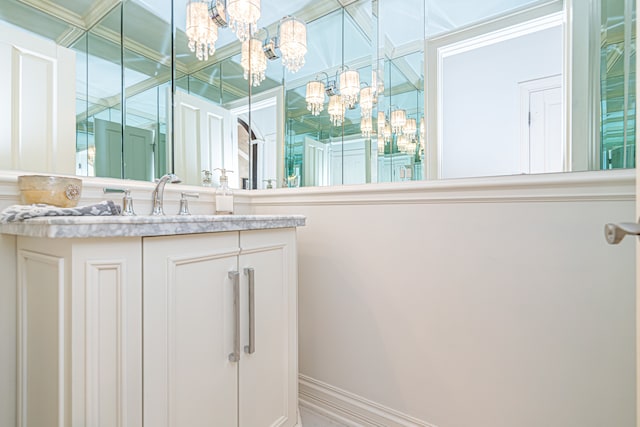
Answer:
[(347, 93), (204, 17), (253, 61), (243, 17)]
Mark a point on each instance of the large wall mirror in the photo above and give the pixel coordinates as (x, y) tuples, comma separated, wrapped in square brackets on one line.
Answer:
[(388, 90)]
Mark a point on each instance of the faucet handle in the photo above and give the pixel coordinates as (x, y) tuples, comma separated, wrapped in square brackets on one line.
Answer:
[(184, 203), (127, 201)]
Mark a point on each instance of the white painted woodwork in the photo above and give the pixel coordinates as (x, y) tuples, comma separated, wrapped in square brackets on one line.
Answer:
[(316, 163), (542, 143), (80, 332), (268, 377), (189, 326), (41, 340), (37, 82), (496, 295), (205, 138)]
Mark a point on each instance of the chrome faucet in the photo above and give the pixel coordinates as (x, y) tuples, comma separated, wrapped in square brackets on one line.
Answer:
[(158, 192)]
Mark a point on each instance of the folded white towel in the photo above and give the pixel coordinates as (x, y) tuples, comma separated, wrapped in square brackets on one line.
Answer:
[(22, 212)]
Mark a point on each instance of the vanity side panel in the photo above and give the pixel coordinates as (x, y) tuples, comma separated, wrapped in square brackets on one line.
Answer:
[(43, 300), (8, 333)]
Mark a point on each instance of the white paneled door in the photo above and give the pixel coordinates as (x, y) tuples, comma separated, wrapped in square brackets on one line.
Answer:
[(37, 106), (205, 139)]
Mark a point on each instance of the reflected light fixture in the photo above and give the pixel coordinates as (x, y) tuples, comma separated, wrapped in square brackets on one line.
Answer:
[(386, 133), (403, 142), (336, 110), (201, 30), (411, 148), (253, 61), (398, 120), (422, 128), (381, 143), (243, 17), (366, 101), (349, 87), (293, 43), (410, 128), (382, 120), (366, 126), (315, 97)]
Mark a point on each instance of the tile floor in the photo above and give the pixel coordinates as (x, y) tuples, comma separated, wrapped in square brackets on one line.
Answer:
[(312, 419)]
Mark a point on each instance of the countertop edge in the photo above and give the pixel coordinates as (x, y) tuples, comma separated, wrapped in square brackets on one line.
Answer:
[(70, 227)]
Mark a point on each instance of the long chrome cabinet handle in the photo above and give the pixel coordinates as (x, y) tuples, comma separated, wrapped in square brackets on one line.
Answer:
[(616, 232), (235, 276), (251, 348)]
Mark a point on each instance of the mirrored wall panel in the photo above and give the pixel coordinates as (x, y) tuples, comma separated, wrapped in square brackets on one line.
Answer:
[(303, 93)]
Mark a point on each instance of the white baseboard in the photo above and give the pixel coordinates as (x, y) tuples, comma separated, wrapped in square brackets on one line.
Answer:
[(350, 409)]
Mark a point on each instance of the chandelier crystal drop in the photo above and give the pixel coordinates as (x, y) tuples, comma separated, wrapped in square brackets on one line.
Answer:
[(243, 17), (293, 43), (398, 120), (382, 120), (201, 31), (403, 142), (410, 128), (349, 87), (366, 126), (366, 101), (336, 110), (315, 97), (386, 132), (253, 61)]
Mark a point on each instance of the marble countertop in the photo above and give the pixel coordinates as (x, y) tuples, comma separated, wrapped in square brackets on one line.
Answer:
[(137, 226)]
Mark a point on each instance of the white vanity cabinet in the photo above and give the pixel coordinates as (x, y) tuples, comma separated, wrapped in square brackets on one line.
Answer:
[(79, 332), (220, 338), (167, 331)]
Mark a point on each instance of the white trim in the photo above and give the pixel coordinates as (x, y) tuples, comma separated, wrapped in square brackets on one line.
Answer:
[(526, 89), (350, 409), (477, 42), (615, 185)]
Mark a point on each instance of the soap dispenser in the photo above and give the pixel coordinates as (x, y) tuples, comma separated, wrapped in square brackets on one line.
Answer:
[(224, 195)]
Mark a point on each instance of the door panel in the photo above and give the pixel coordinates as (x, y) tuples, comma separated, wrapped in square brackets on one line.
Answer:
[(268, 377), (189, 326)]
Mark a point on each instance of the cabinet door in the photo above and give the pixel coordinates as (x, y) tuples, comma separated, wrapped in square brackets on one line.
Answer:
[(188, 331), (268, 376)]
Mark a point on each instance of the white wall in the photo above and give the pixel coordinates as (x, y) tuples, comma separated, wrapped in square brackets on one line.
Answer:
[(488, 302), (481, 107)]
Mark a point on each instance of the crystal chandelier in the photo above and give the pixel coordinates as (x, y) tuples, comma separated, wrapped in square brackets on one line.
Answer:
[(411, 148), (349, 87), (398, 120), (403, 142), (253, 61), (382, 119), (386, 132), (366, 101), (422, 128), (366, 126), (201, 31), (243, 17), (410, 128), (293, 43), (315, 97), (336, 110)]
